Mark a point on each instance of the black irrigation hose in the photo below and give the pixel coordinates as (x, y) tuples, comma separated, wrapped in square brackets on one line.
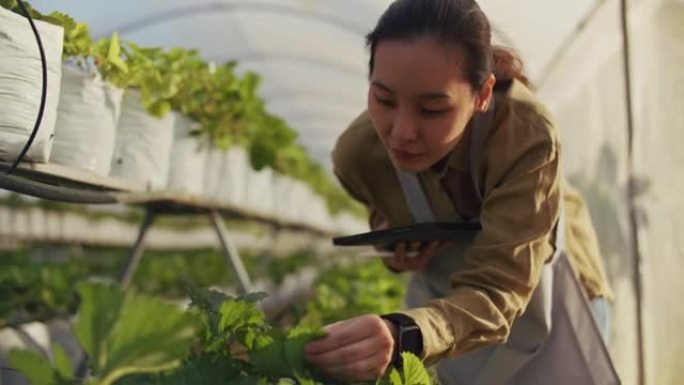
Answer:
[(43, 96)]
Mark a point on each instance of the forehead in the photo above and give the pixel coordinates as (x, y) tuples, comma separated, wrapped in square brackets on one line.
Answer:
[(418, 63)]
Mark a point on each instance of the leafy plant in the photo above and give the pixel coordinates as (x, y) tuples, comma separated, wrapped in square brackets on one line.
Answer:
[(122, 335), (77, 40), (348, 291), (35, 291), (109, 60)]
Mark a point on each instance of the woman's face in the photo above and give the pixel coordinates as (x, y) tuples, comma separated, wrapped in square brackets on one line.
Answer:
[(419, 101)]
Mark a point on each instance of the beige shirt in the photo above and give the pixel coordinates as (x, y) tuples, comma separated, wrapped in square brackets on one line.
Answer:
[(521, 184)]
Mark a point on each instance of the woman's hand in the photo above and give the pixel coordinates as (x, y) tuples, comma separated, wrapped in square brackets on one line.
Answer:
[(358, 349), (414, 255), (411, 256)]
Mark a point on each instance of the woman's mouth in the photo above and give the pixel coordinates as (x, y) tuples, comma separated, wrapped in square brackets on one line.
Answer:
[(405, 156)]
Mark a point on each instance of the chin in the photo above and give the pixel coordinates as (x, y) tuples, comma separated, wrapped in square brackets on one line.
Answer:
[(413, 167)]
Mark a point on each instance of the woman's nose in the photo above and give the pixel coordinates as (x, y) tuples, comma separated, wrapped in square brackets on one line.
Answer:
[(404, 128)]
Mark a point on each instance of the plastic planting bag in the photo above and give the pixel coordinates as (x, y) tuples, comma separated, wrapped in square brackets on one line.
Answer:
[(260, 197), (232, 185), (283, 186), (87, 115), (212, 174), (21, 85), (188, 158), (143, 144)]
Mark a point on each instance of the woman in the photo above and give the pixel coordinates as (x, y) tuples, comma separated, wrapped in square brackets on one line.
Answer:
[(453, 134)]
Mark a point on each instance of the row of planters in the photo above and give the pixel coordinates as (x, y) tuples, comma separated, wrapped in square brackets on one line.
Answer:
[(164, 120)]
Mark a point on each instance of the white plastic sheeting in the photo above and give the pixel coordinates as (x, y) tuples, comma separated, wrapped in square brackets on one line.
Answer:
[(588, 98), (21, 85), (143, 144), (188, 158), (87, 114)]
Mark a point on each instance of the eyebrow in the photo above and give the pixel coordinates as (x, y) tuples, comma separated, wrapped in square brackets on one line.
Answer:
[(428, 95)]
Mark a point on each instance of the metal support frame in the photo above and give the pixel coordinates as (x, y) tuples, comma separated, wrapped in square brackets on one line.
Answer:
[(227, 248), (136, 252), (230, 252)]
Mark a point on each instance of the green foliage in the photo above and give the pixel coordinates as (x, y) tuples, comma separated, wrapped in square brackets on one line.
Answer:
[(109, 60), (35, 290), (34, 366), (344, 292), (136, 339), (8, 4), (77, 40), (278, 354), (126, 334)]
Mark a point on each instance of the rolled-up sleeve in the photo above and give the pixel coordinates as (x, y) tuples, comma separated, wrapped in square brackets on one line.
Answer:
[(520, 170)]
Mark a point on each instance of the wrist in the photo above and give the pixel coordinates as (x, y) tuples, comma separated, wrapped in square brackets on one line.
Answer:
[(407, 336)]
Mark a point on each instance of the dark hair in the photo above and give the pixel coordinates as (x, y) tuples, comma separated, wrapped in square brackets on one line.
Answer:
[(458, 22)]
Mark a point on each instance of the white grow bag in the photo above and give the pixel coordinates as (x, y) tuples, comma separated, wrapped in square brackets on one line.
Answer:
[(260, 197), (188, 158), (87, 116), (212, 175), (21, 85), (232, 186), (143, 144), (298, 204), (283, 187)]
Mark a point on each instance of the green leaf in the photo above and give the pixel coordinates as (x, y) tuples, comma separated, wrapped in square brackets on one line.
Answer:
[(237, 315), (395, 377), (204, 370), (114, 53), (150, 335), (414, 371), (34, 366), (158, 109), (268, 356), (296, 341), (8, 4), (279, 355), (63, 363), (100, 308)]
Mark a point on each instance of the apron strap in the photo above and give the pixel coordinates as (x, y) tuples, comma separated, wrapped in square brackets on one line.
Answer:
[(415, 197), (480, 128)]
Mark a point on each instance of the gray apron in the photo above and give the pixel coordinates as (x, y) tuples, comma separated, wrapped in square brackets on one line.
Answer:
[(555, 341)]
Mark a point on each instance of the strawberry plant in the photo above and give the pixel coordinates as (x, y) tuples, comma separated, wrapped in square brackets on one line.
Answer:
[(344, 292), (134, 339), (122, 335)]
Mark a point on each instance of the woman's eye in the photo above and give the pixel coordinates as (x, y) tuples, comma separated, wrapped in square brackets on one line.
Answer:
[(384, 102), (432, 112)]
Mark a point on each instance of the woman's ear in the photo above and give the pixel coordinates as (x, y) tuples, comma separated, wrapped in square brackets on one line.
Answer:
[(485, 94)]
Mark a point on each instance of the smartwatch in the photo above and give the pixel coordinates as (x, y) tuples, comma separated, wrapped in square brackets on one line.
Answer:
[(409, 337)]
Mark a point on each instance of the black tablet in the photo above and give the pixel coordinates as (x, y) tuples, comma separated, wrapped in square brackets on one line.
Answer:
[(433, 231)]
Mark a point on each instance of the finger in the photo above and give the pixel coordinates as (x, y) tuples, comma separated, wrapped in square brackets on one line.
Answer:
[(390, 263), (430, 250), (414, 246), (338, 334), (360, 350), (425, 256), (400, 254)]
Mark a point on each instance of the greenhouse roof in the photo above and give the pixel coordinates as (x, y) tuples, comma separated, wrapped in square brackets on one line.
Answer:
[(310, 53)]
